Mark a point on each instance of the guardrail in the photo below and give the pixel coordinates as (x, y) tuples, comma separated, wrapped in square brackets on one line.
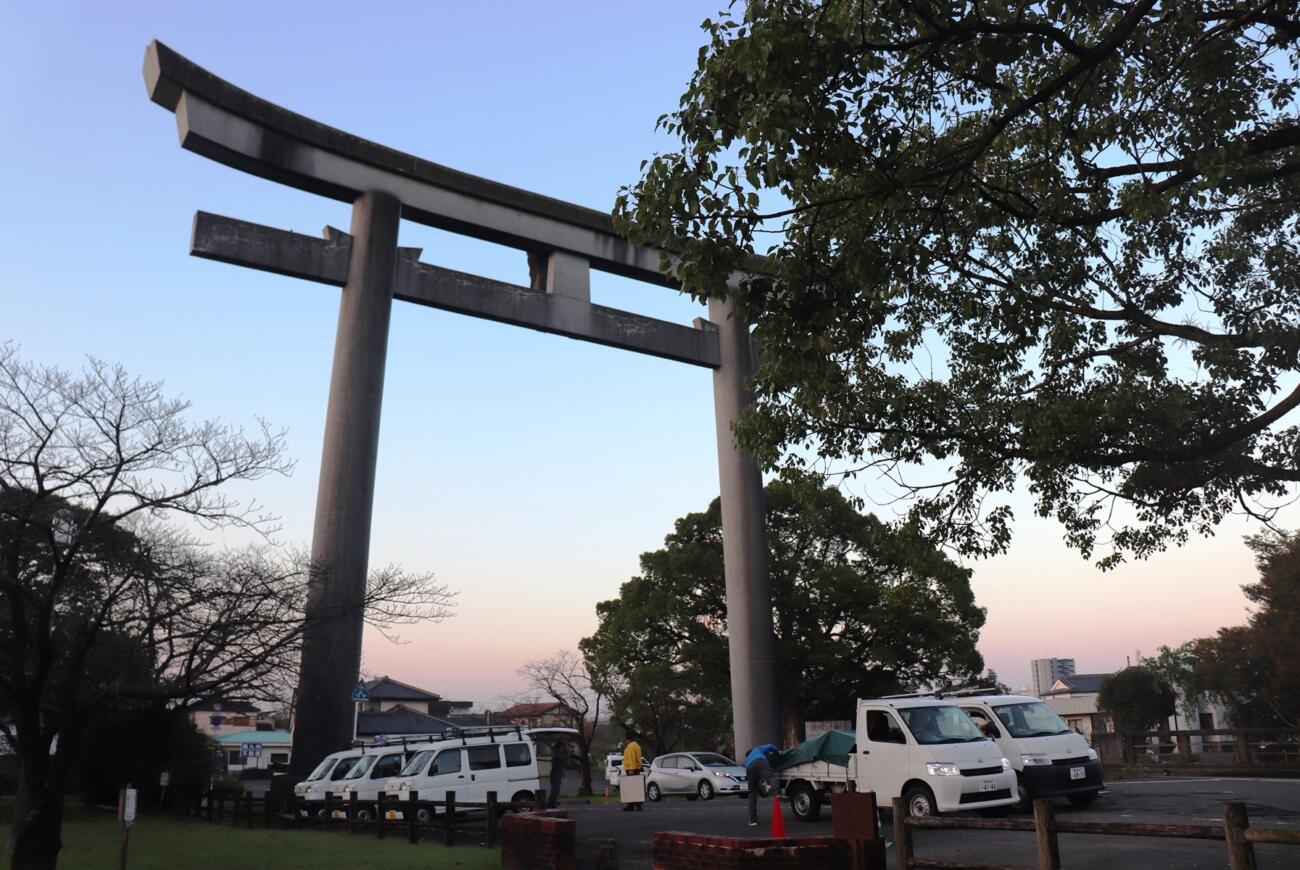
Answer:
[(444, 818), (1236, 833)]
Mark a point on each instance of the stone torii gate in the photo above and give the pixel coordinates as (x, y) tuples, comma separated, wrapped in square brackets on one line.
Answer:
[(563, 242)]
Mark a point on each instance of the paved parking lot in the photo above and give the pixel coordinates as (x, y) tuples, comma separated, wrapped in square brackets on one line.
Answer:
[(1270, 803)]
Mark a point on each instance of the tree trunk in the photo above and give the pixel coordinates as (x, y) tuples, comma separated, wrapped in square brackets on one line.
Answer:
[(584, 763), (38, 823)]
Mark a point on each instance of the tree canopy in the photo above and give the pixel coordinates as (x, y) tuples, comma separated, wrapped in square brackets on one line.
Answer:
[(1050, 242), (1137, 697), (859, 609)]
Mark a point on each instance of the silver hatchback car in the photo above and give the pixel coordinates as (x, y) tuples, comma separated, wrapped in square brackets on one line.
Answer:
[(696, 775)]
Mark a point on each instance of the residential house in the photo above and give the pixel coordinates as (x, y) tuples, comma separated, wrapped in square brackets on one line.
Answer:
[(543, 714), (244, 751), (1074, 698)]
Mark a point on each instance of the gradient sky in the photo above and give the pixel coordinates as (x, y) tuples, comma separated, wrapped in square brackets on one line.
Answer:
[(527, 471)]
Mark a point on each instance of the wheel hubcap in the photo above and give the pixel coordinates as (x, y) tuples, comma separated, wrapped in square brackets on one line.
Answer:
[(802, 803), (920, 806)]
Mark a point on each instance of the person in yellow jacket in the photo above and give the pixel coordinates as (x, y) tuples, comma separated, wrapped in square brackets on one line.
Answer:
[(632, 767)]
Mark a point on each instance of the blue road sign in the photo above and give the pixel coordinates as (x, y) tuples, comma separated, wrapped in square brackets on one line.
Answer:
[(361, 693)]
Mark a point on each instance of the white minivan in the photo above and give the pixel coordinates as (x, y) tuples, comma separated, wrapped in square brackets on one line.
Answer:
[(371, 773), (326, 776), (1050, 760), (473, 764), (922, 749)]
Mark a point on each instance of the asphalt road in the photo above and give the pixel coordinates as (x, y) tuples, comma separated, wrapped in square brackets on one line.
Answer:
[(1270, 803)]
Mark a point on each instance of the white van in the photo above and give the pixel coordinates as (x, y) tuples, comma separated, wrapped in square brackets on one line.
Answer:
[(475, 763), (326, 776), (371, 773), (613, 767), (922, 749), (1050, 760)]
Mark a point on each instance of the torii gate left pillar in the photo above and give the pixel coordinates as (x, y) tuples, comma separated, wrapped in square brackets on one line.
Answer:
[(563, 242), (345, 496)]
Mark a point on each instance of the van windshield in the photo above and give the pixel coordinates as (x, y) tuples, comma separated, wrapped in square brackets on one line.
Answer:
[(417, 762), (940, 724), (321, 769), (344, 765), (1031, 719), (359, 769)]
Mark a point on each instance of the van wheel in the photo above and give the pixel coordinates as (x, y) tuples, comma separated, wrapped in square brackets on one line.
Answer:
[(653, 792), (705, 790), (424, 815), (522, 797), (365, 814), (919, 801), (805, 802), (1082, 800), (1024, 800)]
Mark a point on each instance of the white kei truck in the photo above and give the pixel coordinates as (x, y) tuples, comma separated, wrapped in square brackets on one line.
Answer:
[(1050, 760), (922, 749)]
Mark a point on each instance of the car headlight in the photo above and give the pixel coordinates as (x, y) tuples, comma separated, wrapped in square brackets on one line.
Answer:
[(1092, 753), (1034, 759), (720, 775), (942, 768), (1006, 764)]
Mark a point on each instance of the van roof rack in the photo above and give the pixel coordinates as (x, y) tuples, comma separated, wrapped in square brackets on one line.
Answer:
[(463, 733), (947, 693)]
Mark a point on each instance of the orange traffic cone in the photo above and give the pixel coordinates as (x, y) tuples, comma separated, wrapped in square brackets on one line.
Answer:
[(778, 821)]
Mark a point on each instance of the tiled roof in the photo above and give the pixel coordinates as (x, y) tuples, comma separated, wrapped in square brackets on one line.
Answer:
[(388, 689), (1077, 683), (399, 720), (278, 738)]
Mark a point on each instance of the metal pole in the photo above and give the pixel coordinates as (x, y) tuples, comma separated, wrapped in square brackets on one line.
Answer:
[(744, 548), (341, 539)]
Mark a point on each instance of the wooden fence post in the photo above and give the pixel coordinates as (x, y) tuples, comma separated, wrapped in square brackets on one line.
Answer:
[(352, 812), (451, 816), (902, 836), (327, 814), (539, 800), (1241, 853), (1049, 851), (413, 818), (266, 811), (248, 809), (380, 816), (211, 800), (491, 834), (221, 808)]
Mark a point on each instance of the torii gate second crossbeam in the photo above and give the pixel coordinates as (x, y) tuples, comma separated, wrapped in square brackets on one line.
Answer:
[(563, 243)]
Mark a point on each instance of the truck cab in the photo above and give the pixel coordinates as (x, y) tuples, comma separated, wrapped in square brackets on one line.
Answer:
[(1049, 759)]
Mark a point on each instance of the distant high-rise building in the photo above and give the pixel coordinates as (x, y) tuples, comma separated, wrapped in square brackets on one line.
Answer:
[(1048, 671)]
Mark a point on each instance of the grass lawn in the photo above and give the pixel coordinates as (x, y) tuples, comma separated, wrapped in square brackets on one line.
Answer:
[(93, 840)]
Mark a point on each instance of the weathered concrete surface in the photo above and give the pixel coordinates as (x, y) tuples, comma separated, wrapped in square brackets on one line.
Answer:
[(340, 549), (562, 311), (744, 547)]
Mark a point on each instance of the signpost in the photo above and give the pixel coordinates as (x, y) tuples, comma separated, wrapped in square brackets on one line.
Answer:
[(126, 804), (360, 695)]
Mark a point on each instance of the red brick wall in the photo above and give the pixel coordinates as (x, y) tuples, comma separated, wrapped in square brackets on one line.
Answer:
[(538, 841), (678, 851)]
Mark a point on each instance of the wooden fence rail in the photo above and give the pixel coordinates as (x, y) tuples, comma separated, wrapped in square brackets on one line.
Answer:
[(1235, 832), (415, 817)]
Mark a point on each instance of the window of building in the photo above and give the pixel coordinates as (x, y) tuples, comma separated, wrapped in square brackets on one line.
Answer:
[(517, 755), (233, 756), (484, 757), (279, 758), (1207, 721)]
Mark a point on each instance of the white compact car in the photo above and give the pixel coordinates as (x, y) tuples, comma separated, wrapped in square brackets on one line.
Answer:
[(696, 775), (1050, 760)]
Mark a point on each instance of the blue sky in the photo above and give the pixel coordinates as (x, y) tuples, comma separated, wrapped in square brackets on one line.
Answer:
[(527, 471)]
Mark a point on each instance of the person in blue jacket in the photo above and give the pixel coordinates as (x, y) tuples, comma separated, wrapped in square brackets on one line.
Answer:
[(759, 776)]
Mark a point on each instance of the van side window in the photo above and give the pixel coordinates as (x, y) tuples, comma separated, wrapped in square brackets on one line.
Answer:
[(883, 728), (448, 761), (386, 767), (517, 755), (484, 757)]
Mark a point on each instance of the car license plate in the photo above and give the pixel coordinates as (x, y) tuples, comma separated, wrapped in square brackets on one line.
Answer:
[(391, 815), (1077, 773), (338, 814), (988, 785)]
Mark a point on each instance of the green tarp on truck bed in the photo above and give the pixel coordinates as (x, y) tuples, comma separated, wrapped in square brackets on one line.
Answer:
[(833, 746)]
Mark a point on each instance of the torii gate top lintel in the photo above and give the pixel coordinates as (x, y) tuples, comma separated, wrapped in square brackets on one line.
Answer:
[(228, 124)]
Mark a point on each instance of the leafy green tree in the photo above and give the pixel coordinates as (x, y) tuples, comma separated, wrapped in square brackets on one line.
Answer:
[(1137, 698), (1255, 668), (859, 610), (1052, 242), (1176, 667)]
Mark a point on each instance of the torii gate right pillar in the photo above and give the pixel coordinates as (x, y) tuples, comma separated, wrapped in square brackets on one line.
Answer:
[(744, 548)]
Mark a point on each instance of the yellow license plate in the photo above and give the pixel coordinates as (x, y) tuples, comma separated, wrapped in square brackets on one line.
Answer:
[(391, 815), (338, 814)]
